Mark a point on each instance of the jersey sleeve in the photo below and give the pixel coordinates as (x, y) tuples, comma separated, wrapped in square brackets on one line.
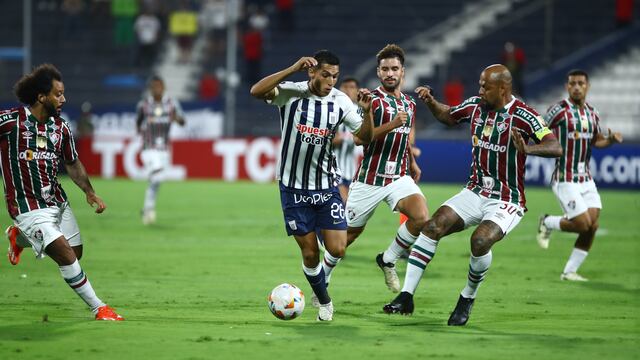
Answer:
[(69, 152), (352, 116), (531, 123), (177, 107), (462, 112), (596, 126), (554, 115), (8, 121), (285, 91)]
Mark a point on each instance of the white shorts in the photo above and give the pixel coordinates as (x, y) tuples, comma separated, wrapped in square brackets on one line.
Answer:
[(473, 209), (576, 198), (42, 226), (364, 198), (154, 160)]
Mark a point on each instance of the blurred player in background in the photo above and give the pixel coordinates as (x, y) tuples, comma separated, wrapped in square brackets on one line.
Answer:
[(494, 198), (310, 114), (343, 142), (33, 141), (385, 173), (156, 113), (577, 125)]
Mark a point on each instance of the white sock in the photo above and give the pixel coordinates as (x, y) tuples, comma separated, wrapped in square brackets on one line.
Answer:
[(421, 254), (77, 280), (552, 222), (400, 244), (328, 263), (575, 260), (478, 267), (150, 195)]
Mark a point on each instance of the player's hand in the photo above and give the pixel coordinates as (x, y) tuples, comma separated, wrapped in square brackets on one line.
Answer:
[(93, 199), (615, 137), (400, 119), (425, 93), (518, 141), (416, 172), (304, 63), (364, 99), (416, 152)]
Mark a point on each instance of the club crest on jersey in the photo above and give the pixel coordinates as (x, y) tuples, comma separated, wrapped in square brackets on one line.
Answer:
[(41, 141), (54, 138), (501, 126), (27, 123)]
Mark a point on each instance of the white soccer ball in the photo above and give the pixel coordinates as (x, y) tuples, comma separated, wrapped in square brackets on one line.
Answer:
[(286, 301)]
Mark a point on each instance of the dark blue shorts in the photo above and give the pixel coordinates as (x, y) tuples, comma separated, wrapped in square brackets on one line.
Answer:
[(308, 210)]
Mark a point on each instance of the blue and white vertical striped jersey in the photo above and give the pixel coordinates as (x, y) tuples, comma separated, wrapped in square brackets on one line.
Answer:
[(308, 123)]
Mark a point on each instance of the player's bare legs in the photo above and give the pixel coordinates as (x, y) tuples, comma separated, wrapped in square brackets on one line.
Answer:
[(149, 209), (445, 221)]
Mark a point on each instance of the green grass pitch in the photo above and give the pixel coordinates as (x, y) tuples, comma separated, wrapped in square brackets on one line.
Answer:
[(194, 286)]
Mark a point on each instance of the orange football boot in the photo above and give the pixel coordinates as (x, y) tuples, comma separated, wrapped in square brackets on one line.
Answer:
[(107, 313), (14, 250)]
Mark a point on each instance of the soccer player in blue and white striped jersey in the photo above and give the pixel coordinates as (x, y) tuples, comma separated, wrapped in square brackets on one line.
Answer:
[(310, 113)]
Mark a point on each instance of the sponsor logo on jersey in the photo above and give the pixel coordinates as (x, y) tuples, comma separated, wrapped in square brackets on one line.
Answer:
[(306, 129), (487, 145), (314, 199), (577, 135), (402, 130), (35, 155), (27, 135)]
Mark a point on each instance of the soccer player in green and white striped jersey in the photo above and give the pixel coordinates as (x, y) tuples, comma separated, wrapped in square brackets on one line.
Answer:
[(577, 125), (494, 197), (34, 141)]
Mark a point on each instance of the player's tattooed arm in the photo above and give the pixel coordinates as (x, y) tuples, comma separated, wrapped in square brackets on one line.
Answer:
[(78, 174), (548, 146), (265, 89), (439, 110)]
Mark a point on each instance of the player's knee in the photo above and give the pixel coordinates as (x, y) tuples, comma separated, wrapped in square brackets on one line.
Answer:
[(582, 224), (480, 245), (433, 229)]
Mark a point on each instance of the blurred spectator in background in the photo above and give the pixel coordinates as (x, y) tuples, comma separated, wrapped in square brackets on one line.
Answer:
[(453, 92), (183, 25), (72, 18), (124, 12), (85, 121), (147, 27), (514, 59), (286, 20), (213, 20), (209, 88), (624, 12), (252, 45)]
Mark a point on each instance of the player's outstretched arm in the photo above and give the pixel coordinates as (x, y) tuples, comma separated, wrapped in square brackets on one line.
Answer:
[(548, 146), (602, 141), (365, 134), (439, 110), (78, 174), (265, 88)]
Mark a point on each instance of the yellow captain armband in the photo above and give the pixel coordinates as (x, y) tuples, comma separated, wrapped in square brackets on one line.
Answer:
[(544, 131)]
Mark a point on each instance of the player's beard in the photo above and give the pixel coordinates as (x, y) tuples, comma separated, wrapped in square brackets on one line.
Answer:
[(391, 88), (50, 109)]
